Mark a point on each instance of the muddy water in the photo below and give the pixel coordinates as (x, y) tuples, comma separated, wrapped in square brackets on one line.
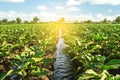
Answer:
[(63, 67)]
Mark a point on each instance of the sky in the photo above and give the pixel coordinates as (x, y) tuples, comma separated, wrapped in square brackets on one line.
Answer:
[(52, 10)]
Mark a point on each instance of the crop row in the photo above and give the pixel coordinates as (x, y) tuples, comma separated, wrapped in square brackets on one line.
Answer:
[(95, 50), (26, 50)]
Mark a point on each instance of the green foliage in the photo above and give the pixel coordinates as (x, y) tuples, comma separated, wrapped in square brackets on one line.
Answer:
[(23, 49), (36, 19), (93, 45), (88, 21), (105, 21), (117, 20), (5, 21), (12, 22), (18, 20), (2, 77)]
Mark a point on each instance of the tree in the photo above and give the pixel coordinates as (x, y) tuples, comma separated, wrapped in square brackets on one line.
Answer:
[(105, 20), (62, 19), (18, 20), (26, 22), (0, 21), (88, 21), (12, 22), (117, 20), (36, 19), (5, 21)]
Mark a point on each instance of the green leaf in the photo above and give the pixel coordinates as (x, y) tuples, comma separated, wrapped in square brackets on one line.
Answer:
[(36, 59), (43, 72), (33, 67), (117, 77), (17, 57), (90, 71), (46, 61), (30, 60), (39, 54), (113, 62), (101, 58), (87, 76), (39, 72), (24, 72), (5, 74), (111, 66), (2, 54)]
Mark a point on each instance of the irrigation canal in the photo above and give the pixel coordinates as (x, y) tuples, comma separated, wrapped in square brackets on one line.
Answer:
[(63, 67)]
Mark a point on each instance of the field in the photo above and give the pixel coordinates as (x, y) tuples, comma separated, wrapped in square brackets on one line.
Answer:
[(27, 50)]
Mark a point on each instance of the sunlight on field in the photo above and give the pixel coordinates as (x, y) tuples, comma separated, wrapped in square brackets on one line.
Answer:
[(24, 45), (87, 30), (63, 26)]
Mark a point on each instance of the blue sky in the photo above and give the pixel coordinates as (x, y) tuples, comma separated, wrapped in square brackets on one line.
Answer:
[(52, 10)]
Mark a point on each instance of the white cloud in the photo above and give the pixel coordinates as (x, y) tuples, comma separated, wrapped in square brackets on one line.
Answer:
[(74, 9), (109, 11), (100, 17), (110, 2), (60, 10), (42, 7), (12, 15), (43, 15), (72, 2), (66, 9), (82, 17), (75, 2), (59, 7), (12, 1), (50, 16), (79, 2)]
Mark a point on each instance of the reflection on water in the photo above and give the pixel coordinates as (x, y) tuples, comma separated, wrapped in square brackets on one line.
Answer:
[(63, 67)]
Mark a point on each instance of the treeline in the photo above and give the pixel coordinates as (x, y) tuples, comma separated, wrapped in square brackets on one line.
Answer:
[(61, 20), (104, 21), (18, 21)]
